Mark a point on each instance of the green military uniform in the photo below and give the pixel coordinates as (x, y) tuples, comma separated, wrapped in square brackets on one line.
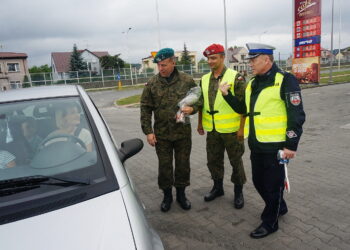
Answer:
[(161, 96), (217, 142)]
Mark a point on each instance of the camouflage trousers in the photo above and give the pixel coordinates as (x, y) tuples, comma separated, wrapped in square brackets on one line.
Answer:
[(216, 145), (166, 150)]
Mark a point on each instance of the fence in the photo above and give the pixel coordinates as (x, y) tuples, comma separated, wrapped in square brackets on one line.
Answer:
[(110, 77), (105, 78)]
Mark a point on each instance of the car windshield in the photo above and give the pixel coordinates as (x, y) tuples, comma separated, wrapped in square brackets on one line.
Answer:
[(47, 137)]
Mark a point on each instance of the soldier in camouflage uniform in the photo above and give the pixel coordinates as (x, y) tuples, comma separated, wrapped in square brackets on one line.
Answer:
[(160, 97), (224, 126)]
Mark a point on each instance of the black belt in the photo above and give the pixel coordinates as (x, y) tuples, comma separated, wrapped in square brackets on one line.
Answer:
[(212, 112), (252, 114)]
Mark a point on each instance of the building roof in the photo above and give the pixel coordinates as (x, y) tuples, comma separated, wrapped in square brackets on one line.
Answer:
[(12, 55), (62, 59)]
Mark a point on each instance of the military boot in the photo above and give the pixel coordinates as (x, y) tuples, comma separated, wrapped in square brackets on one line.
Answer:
[(216, 191), (181, 198), (238, 200), (168, 199)]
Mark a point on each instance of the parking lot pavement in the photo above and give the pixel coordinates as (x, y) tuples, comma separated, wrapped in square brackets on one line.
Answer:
[(319, 207)]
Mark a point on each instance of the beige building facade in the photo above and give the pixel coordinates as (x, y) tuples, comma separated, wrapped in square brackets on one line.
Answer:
[(13, 69), (237, 58)]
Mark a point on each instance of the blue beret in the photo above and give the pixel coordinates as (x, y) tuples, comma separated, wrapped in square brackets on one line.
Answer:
[(256, 49), (163, 54)]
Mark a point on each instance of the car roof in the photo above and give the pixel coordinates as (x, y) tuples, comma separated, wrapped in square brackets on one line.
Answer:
[(38, 93)]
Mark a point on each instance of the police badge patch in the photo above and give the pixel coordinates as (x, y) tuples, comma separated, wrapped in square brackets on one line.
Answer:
[(291, 134), (295, 98)]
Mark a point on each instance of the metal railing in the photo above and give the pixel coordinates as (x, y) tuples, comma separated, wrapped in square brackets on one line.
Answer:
[(111, 77), (104, 78)]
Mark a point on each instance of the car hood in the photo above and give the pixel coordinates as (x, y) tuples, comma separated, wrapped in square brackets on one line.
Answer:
[(100, 223)]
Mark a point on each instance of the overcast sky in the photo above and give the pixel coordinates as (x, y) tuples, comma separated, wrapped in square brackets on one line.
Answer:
[(39, 27)]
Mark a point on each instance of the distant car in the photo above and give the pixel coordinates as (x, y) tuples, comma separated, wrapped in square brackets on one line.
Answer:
[(62, 180)]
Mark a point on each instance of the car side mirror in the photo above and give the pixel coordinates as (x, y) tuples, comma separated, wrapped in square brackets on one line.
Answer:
[(130, 148)]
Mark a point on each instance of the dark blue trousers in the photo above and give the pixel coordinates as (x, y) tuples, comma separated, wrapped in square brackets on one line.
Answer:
[(268, 179)]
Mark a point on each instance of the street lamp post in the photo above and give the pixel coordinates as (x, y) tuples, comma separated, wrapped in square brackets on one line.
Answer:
[(339, 35), (127, 49), (331, 64), (159, 44), (226, 56)]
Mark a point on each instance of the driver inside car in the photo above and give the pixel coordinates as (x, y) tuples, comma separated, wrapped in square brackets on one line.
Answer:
[(68, 122)]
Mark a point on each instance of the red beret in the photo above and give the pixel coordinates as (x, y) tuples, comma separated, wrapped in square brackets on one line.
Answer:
[(214, 49)]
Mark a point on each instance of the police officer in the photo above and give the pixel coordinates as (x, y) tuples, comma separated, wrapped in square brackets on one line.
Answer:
[(223, 125), (275, 115), (160, 97)]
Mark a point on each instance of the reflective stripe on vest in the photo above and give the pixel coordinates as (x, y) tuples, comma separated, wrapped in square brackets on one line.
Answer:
[(269, 114), (226, 120)]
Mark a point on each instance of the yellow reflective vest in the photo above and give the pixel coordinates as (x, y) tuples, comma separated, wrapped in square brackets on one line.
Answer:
[(224, 118), (269, 114)]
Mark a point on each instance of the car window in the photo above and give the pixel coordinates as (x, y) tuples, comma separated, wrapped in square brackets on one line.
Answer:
[(47, 137)]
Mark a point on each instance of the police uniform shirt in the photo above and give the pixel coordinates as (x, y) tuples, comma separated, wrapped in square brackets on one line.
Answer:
[(290, 93)]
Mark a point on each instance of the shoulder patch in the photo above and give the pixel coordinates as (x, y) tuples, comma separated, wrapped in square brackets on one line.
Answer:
[(291, 134), (295, 98)]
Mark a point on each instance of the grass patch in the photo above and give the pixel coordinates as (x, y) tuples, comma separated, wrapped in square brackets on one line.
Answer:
[(337, 79), (336, 73), (129, 100)]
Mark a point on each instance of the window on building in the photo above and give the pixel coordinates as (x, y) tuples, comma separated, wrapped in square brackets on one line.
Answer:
[(242, 57), (13, 67), (15, 84), (0, 69)]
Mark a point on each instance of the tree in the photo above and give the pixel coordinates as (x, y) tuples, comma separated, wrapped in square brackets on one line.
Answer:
[(185, 57), (41, 69), (76, 61), (202, 61), (112, 62)]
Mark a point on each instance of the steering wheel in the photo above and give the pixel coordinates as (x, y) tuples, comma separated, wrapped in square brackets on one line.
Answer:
[(70, 138)]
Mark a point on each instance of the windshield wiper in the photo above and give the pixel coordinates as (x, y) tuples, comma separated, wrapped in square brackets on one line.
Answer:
[(16, 185)]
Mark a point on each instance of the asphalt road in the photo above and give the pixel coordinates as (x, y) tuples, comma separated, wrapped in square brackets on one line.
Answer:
[(106, 98), (319, 207)]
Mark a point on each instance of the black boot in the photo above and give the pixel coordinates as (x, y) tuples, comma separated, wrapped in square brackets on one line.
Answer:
[(168, 199), (238, 200), (181, 198), (216, 191)]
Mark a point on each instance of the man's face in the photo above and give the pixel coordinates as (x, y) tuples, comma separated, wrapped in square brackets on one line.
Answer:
[(216, 61), (260, 64), (166, 67)]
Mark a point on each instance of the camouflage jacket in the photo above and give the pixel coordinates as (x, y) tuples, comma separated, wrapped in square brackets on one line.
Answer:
[(161, 98)]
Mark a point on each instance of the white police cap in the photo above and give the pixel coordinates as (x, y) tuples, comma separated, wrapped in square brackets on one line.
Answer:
[(256, 49)]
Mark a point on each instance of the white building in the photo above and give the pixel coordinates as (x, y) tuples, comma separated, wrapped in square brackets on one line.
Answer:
[(60, 62)]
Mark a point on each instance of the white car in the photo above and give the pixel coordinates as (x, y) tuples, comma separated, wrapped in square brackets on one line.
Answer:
[(62, 180)]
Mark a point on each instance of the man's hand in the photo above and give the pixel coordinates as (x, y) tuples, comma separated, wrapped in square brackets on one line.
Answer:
[(151, 139), (224, 87), (240, 134), (200, 129), (289, 154), (187, 110)]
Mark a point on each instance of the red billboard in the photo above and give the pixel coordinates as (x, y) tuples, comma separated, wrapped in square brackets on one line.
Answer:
[(307, 8), (307, 39), (307, 51), (307, 70)]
